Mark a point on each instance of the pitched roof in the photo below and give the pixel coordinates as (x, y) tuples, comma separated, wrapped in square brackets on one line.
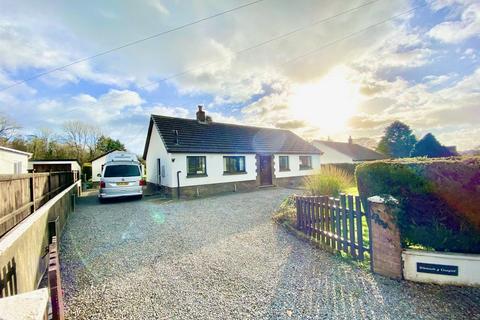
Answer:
[(355, 151), (225, 138), (16, 151), (102, 155)]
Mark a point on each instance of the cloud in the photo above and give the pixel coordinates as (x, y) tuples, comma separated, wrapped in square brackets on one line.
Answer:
[(395, 70), (291, 124), (35, 51), (159, 6), (169, 111), (457, 31)]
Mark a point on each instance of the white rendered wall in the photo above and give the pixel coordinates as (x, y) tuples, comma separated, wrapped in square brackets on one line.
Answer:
[(331, 155), (214, 169), (97, 167), (468, 267), (156, 150), (294, 164), (8, 160)]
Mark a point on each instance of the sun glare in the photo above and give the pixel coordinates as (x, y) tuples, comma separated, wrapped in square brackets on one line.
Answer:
[(327, 103)]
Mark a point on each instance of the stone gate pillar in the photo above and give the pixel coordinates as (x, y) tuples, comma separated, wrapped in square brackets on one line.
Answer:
[(386, 246)]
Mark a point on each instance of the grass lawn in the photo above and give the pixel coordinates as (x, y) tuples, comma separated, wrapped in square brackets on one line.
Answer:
[(352, 191)]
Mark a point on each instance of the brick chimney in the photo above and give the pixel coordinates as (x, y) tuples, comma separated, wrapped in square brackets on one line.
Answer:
[(201, 115), (350, 140)]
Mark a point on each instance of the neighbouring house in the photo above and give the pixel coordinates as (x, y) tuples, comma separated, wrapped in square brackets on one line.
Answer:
[(345, 152), (97, 165), (98, 162), (54, 165), (13, 161), (202, 157)]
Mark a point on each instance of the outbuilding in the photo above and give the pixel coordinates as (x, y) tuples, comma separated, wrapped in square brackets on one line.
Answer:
[(335, 152), (196, 157), (56, 165), (13, 161)]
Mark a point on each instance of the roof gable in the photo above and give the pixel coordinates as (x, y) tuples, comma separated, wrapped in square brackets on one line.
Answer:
[(224, 138), (23, 153), (103, 155), (353, 150)]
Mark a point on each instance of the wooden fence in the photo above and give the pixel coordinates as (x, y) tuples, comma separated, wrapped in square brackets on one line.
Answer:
[(54, 281), (340, 224), (21, 195)]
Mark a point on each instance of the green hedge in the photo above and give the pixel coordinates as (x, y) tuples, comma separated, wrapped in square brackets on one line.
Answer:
[(439, 199)]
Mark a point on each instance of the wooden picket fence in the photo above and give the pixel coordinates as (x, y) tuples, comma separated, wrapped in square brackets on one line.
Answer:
[(340, 224), (22, 194)]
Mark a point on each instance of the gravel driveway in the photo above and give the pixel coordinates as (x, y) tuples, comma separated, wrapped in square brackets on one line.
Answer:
[(223, 258)]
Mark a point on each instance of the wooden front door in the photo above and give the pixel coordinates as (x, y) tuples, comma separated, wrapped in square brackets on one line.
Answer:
[(265, 170)]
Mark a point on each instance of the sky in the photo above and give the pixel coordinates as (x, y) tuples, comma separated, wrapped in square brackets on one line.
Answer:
[(414, 61)]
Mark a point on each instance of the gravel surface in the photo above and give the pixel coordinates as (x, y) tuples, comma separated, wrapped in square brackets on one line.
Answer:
[(223, 258)]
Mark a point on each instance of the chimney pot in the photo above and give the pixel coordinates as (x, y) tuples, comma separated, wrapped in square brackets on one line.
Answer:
[(350, 140), (201, 114)]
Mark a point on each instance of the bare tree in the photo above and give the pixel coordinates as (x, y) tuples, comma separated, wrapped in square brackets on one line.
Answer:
[(93, 136), (82, 137), (8, 128)]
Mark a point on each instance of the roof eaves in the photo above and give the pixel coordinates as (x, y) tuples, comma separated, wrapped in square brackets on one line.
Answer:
[(16, 151)]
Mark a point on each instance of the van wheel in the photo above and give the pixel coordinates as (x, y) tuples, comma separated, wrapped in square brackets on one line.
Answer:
[(139, 197), (101, 200)]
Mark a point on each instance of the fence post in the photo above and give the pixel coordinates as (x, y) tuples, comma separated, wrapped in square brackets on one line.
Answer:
[(49, 185), (386, 249), (31, 185), (297, 206), (54, 282), (358, 213)]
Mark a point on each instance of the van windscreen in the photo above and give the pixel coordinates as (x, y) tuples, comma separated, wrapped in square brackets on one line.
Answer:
[(122, 170)]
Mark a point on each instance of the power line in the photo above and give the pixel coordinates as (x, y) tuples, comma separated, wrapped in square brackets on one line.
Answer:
[(186, 71), (260, 44), (129, 44), (255, 46), (350, 35)]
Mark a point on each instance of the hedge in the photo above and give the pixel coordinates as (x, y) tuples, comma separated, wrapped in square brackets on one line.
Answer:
[(439, 199)]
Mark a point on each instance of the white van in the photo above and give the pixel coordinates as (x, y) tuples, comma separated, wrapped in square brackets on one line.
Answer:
[(121, 176)]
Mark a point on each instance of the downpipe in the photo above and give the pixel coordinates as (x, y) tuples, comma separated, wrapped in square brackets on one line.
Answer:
[(178, 184)]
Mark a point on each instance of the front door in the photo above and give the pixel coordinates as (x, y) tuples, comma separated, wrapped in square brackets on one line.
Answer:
[(265, 170)]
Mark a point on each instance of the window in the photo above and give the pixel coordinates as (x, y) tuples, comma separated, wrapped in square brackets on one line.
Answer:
[(284, 165), (122, 170), (196, 166), (17, 167), (232, 165), (305, 162)]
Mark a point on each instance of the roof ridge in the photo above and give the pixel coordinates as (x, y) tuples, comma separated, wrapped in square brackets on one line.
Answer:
[(223, 123)]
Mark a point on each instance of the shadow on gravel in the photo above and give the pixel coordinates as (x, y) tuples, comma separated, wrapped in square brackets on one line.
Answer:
[(328, 288)]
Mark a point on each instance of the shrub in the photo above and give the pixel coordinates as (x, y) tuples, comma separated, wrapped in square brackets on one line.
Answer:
[(438, 199), (330, 181), (286, 212), (347, 167)]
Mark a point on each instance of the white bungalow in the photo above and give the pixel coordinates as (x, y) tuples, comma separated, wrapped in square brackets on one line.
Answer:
[(201, 157)]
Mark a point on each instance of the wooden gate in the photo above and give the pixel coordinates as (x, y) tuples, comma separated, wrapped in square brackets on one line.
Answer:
[(340, 224)]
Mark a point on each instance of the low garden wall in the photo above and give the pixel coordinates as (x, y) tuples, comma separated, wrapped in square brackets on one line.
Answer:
[(23, 250)]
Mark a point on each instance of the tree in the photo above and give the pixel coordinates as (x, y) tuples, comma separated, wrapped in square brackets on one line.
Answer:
[(107, 144), (8, 129), (429, 147), (83, 138), (398, 140)]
